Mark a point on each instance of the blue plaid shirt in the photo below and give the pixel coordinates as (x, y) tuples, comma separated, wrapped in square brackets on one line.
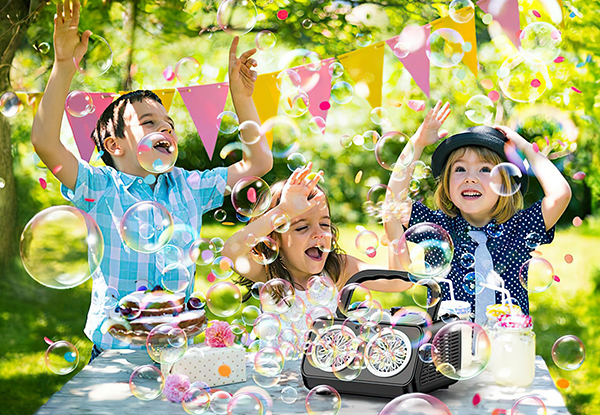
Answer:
[(106, 194)]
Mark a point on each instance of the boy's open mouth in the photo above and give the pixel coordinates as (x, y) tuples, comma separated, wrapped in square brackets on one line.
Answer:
[(471, 194), (164, 146), (314, 253)]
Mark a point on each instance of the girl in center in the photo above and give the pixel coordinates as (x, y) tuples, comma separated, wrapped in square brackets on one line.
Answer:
[(310, 245)]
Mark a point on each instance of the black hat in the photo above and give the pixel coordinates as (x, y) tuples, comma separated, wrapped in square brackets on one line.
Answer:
[(482, 136)]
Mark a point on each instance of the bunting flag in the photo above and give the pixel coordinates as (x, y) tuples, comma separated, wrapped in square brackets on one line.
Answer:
[(506, 13), (467, 31), (317, 84), (205, 103), (165, 95), (366, 65), (416, 62), (30, 98), (266, 99), (82, 127)]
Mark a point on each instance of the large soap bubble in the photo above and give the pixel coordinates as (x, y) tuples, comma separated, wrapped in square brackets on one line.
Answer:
[(568, 352), (523, 81), (166, 343), (445, 48), (62, 357), (461, 11), (146, 227), (480, 109), (237, 17), (251, 196), (224, 299), (146, 382), (415, 404), (157, 152), (540, 42), (323, 400), (97, 59), (47, 256)]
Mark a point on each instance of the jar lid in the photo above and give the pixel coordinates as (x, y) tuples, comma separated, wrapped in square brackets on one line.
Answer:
[(494, 311), (515, 321)]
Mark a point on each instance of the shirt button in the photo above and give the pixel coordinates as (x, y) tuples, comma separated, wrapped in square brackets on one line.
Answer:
[(140, 181)]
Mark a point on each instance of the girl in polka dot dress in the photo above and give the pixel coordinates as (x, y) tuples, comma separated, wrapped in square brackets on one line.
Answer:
[(469, 198)]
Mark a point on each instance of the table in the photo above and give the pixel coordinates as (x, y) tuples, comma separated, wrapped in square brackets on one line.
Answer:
[(103, 388)]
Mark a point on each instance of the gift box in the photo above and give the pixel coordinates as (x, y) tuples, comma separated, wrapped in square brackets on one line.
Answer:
[(215, 366)]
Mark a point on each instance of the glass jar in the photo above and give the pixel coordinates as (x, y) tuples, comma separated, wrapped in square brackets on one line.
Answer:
[(513, 354)]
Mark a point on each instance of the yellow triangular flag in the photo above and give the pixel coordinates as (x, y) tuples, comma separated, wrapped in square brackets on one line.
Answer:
[(266, 99), (165, 95), (467, 31), (30, 98), (366, 65)]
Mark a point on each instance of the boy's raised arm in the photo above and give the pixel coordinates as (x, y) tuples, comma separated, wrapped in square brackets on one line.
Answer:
[(45, 132), (257, 157)]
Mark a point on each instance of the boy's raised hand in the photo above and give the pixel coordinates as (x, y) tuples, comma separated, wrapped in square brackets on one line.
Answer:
[(68, 45), (428, 131), (241, 75), (294, 196)]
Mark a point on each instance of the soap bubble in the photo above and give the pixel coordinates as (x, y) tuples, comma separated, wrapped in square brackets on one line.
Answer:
[(265, 381), (528, 405), (289, 394), (146, 227), (265, 40), (166, 343), (355, 295), (224, 299), (294, 103), (188, 71), (97, 59), (286, 135), (323, 400), (197, 301), (471, 361), (54, 263), (157, 152), (250, 132), (568, 352), (175, 277), (522, 81), (445, 48), (245, 404), (480, 109), (320, 290), (280, 222), (79, 104), (217, 244), (317, 125), (415, 404), (130, 307), (342, 92), (265, 250), (62, 357), (351, 369), (267, 326), (268, 361), (228, 122), (277, 296), (10, 104), (336, 70), (370, 139), (426, 292), (296, 161), (237, 17), (307, 23), (425, 353), (43, 48), (467, 260), (379, 116), (219, 399), (249, 314), (540, 42), (222, 268), (389, 148), (505, 179), (363, 39), (255, 289), (251, 196), (473, 283), (425, 250), (196, 400), (320, 318), (202, 251), (301, 57), (288, 80), (295, 313), (367, 242), (461, 11), (536, 275), (146, 382)]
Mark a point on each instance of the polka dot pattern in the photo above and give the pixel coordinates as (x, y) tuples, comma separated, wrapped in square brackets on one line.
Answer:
[(508, 243)]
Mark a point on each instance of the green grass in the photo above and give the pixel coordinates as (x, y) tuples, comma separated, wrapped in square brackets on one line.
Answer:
[(29, 311)]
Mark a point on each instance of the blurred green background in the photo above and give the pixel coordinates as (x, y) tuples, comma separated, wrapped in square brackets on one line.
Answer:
[(148, 35)]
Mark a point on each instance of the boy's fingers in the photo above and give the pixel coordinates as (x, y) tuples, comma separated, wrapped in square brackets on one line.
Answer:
[(246, 55), (85, 37), (233, 50)]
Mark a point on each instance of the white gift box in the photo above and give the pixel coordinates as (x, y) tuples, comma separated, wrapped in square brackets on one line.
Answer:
[(215, 366)]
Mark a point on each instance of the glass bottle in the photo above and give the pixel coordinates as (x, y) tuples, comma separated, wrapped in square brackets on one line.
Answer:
[(513, 351)]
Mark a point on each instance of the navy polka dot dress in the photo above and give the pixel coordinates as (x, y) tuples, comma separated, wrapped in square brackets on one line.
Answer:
[(509, 244)]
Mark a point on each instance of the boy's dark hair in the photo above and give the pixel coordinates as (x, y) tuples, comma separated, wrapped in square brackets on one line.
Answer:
[(111, 123)]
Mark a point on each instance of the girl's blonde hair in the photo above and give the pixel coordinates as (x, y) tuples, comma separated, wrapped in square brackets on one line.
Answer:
[(505, 207)]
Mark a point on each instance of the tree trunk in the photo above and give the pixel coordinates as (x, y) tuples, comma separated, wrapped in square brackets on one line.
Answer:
[(15, 18)]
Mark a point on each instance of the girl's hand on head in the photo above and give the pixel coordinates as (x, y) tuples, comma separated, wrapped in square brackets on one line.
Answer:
[(427, 133), (513, 137), (294, 196), (68, 45), (241, 75)]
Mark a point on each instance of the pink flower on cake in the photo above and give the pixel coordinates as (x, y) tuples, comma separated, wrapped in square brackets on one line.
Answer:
[(175, 387), (219, 334)]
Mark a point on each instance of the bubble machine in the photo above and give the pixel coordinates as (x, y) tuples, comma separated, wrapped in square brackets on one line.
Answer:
[(402, 370)]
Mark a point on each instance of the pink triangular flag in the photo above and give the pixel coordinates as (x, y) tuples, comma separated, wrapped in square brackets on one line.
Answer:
[(205, 103), (505, 12), (82, 127), (416, 62), (317, 85)]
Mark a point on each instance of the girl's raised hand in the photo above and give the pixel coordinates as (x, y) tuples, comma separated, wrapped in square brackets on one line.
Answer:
[(513, 137), (241, 75), (294, 196), (69, 47), (428, 131)]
